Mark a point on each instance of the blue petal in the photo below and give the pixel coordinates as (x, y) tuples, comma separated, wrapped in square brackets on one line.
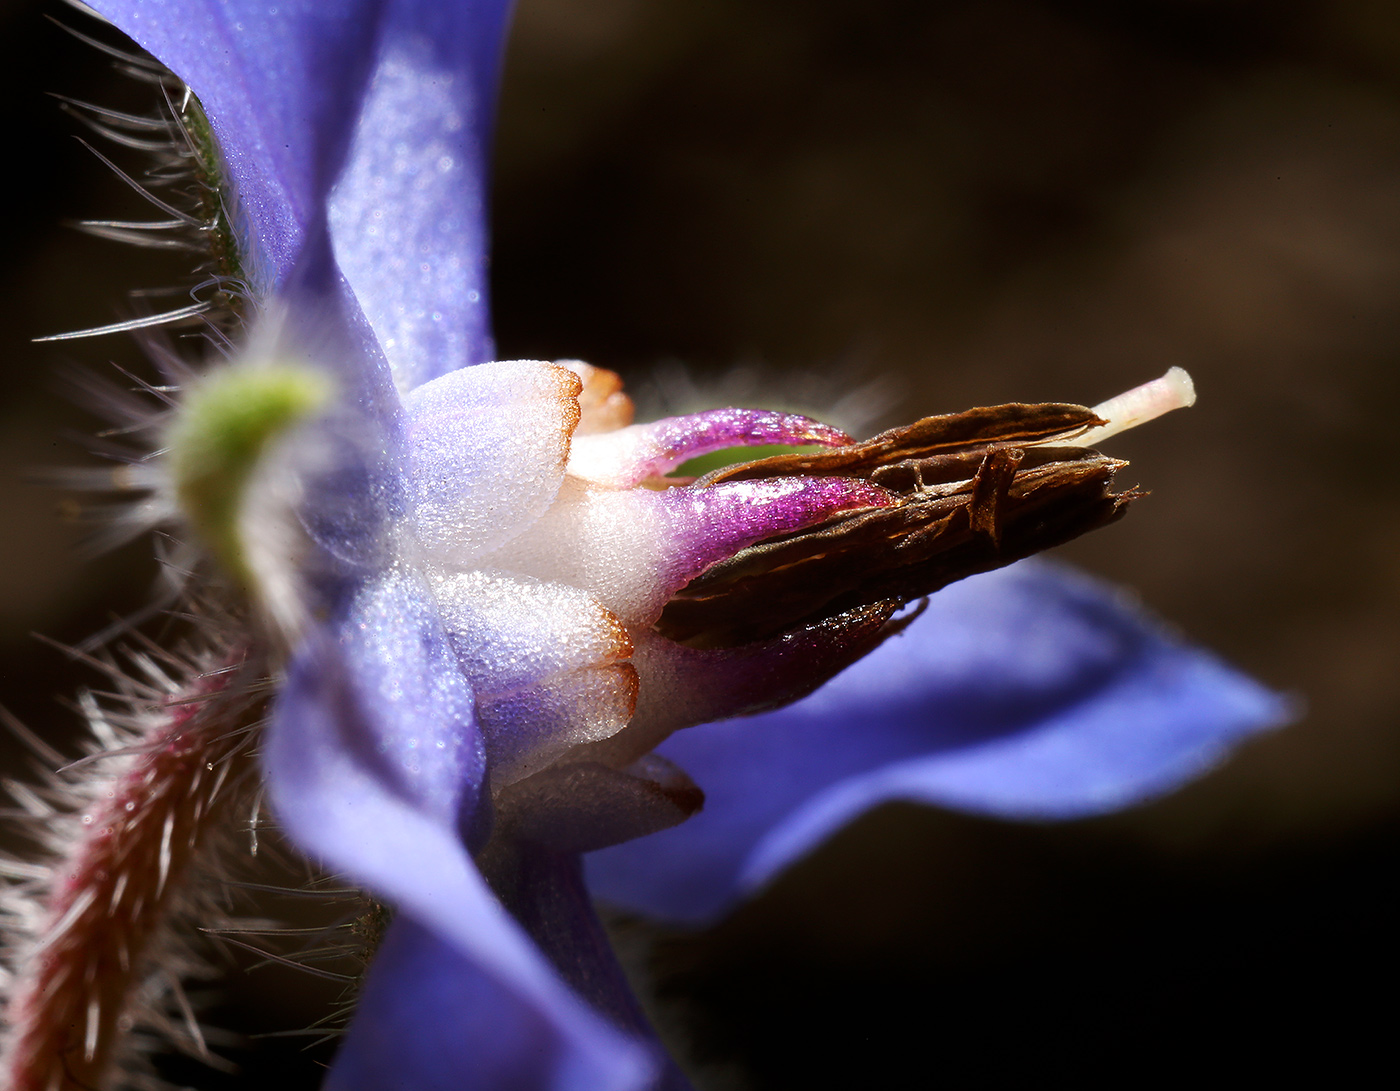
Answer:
[(281, 84), (430, 1019), (374, 765), (408, 217), (1031, 693), (390, 102), (546, 893)]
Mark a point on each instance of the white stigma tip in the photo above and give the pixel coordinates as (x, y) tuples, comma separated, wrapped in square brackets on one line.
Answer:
[(1174, 390)]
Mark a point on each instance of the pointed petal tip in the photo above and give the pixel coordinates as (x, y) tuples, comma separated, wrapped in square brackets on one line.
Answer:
[(1029, 693)]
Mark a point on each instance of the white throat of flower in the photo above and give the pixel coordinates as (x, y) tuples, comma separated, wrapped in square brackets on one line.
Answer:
[(545, 528)]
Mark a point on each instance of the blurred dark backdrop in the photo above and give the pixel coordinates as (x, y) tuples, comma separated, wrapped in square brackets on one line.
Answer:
[(885, 208)]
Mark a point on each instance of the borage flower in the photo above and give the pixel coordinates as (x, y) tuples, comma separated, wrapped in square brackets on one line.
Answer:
[(491, 608)]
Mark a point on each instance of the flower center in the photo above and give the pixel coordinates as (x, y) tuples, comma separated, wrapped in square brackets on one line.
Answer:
[(596, 604)]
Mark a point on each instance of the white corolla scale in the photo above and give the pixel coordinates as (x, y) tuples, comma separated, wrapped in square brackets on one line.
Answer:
[(551, 539)]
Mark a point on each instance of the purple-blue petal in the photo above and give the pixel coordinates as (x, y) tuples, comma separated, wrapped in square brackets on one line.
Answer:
[(408, 216), (372, 115), (546, 893), (281, 84), (374, 766), (1032, 692), (429, 1019)]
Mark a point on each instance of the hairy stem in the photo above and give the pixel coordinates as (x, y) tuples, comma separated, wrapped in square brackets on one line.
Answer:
[(77, 990)]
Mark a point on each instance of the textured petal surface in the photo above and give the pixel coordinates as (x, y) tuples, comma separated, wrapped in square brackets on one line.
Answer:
[(280, 83), (512, 631), (390, 102), (545, 663), (487, 448), (373, 762), (408, 217), (528, 729), (430, 1019), (1031, 692)]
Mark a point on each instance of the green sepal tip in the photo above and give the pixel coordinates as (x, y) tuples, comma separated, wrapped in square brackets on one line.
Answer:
[(224, 428)]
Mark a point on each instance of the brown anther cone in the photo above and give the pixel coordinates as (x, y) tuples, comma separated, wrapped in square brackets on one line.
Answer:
[(980, 489)]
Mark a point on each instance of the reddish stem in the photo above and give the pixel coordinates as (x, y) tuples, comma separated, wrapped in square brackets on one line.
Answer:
[(70, 1003)]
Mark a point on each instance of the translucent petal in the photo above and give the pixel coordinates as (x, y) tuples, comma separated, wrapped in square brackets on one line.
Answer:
[(528, 728), (408, 216), (431, 1019), (391, 99), (343, 754), (397, 707), (545, 662), (282, 85), (486, 454), (1032, 692), (510, 631)]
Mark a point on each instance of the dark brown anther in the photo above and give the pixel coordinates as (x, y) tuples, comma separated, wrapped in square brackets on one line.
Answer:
[(979, 490), (990, 488)]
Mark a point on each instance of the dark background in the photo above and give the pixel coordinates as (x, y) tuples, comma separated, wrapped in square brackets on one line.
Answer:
[(880, 209)]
